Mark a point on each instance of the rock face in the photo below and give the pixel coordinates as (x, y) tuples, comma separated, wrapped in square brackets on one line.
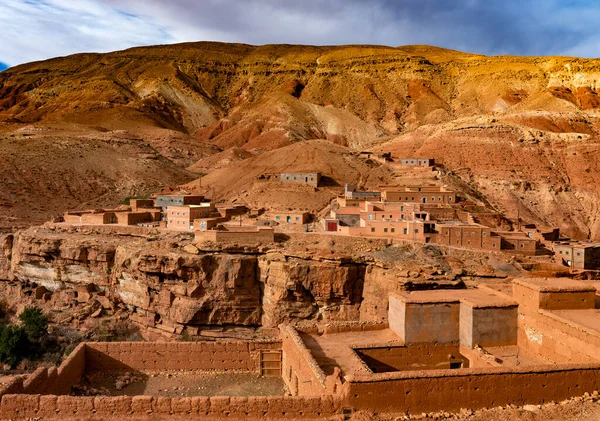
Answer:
[(167, 288)]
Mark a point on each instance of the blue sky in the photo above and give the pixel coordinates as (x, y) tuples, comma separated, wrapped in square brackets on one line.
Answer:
[(39, 29)]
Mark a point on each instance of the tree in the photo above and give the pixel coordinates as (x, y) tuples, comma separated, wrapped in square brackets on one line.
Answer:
[(14, 344), (35, 323)]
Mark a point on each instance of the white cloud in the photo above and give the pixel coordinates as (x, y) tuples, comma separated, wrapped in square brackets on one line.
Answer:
[(35, 30)]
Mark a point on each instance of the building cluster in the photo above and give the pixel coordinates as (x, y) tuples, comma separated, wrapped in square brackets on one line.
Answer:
[(423, 214)]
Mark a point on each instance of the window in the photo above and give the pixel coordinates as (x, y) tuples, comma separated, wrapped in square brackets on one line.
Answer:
[(521, 245), (560, 252), (385, 230), (433, 199), (494, 245), (393, 229), (277, 218), (297, 218), (170, 221), (372, 229), (370, 217), (405, 231), (449, 199), (416, 230), (469, 242), (484, 234), (578, 254), (177, 213), (473, 234), (440, 198)]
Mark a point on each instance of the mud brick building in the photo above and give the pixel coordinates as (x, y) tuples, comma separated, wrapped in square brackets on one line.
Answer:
[(529, 342), (473, 236), (309, 178), (578, 255), (289, 217), (182, 218), (237, 234), (165, 200), (125, 216), (379, 219), (417, 162), (421, 194), (350, 192)]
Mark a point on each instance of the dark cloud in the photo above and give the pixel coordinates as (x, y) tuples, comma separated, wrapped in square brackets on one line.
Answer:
[(483, 26)]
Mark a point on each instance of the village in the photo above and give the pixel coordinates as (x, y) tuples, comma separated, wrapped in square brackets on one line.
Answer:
[(425, 213)]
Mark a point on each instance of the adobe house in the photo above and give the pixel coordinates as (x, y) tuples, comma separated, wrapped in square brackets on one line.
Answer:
[(467, 235), (165, 200), (379, 219), (138, 204), (310, 178), (517, 242), (421, 194), (417, 162), (246, 234), (350, 192), (578, 255), (125, 216), (290, 217), (182, 218)]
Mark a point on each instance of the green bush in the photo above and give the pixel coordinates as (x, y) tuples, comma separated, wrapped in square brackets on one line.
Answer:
[(14, 345), (35, 323)]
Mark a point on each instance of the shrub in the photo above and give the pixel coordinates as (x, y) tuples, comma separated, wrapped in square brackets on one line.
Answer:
[(35, 323), (14, 345)]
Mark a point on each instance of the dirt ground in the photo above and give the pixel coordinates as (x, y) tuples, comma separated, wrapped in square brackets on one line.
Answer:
[(177, 384)]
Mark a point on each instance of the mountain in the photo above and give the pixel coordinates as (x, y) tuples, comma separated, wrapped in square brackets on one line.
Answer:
[(90, 129)]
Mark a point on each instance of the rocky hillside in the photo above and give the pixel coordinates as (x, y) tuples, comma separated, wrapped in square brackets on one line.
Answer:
[(521, 130)]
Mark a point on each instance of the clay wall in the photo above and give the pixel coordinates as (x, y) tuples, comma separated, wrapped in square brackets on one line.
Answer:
[(98, 218), (141, 204), (522, 245), (300, 370), (140, 407), (545, 298), (488, 326), (451, 390), (52, 380), (423, 356), (232, 355), (417, 322), (248, 237)]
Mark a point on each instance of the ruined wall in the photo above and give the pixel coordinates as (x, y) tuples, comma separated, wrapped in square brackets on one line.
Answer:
[(52, 380), (452, 390)]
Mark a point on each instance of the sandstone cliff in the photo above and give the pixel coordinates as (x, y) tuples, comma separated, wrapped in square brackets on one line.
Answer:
[(166, 285)]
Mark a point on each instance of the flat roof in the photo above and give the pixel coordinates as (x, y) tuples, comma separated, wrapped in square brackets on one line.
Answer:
[(472, 297), (555, 285)]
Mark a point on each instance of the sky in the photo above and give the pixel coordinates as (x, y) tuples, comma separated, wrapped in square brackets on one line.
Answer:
[(39, 29)]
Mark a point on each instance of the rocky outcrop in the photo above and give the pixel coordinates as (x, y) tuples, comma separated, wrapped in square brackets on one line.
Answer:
[(167, 288)]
